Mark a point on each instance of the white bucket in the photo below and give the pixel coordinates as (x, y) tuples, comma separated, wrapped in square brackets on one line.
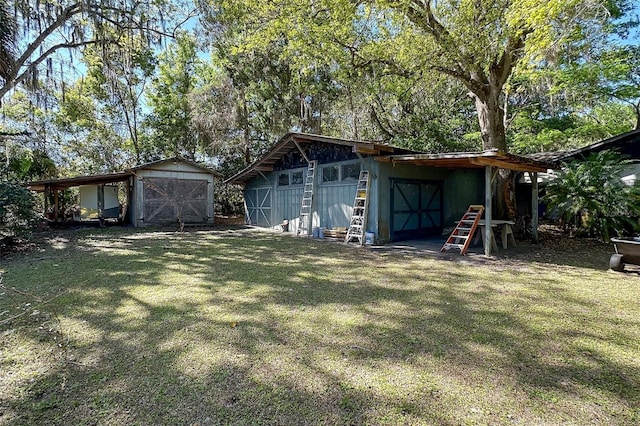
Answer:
[(369, 237)]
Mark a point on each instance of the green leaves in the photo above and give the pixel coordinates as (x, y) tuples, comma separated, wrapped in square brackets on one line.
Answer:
[(591, 196), (17, 213)]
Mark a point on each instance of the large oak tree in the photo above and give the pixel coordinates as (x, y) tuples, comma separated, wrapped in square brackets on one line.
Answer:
[(478, 42)]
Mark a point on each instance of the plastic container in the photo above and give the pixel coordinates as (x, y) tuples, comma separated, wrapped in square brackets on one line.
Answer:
[(369, 237)]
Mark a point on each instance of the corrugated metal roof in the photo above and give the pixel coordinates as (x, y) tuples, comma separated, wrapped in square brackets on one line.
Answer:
[(623, 138)]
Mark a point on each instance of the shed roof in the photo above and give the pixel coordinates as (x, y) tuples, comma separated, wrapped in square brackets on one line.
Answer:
[(63, 183), (626, 143), (173, 160), (471, 160), (293, 141)]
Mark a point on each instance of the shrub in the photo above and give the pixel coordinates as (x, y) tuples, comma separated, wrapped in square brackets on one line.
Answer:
[(590, 196), (17, 213), (229, 199)]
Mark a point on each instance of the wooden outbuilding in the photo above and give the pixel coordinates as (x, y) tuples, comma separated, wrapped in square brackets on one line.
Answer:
[(157, 193), (412, 194)]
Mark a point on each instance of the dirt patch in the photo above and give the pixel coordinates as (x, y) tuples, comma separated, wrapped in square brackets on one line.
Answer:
[(222, 220), (558, 247)]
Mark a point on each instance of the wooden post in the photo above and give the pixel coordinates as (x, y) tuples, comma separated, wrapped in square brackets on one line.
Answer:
[(56, 204), (487, 210), (101, 204), (534, 206), (47, 193)]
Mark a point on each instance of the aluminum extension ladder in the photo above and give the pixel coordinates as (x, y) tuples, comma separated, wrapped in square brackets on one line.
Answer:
[(358, 222), (304, 221)]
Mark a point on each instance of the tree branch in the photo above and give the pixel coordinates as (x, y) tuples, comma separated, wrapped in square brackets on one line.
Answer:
[(20, 78), (509, 58), (22, 133), (31, 47)]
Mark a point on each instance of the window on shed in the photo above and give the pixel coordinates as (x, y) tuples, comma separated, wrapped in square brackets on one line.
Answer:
[(283, 179), (330, 174), (296, 177), (351, 171)]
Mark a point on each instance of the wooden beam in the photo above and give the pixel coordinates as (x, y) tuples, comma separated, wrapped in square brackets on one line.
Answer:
[(263, 168), (384, 148), (534, 206), (301, 152), (359, 149), (505, 164), (487, 210), (263, 176), (247, 216)]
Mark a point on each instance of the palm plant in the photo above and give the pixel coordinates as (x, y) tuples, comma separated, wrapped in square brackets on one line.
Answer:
[(590, 195)]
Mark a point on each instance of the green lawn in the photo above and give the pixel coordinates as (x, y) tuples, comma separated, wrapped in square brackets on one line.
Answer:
[(247, 327)]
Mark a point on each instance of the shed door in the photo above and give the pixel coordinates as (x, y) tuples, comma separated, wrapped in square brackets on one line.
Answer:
[(416, 208), (165, 199), (259, 206)]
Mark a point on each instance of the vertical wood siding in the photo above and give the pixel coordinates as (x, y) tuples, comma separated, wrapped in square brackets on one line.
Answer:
[(332, 205), (335, 204)]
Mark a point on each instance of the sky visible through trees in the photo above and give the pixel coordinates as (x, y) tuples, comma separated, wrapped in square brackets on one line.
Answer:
[(222, 81)]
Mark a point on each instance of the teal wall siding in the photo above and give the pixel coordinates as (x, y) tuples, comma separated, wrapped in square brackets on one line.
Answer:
[(460, 188), (332, 205), (287, 203), (333, 202)]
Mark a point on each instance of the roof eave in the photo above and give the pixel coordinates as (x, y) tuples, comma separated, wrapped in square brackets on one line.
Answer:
[(290, 141), (493, 158)]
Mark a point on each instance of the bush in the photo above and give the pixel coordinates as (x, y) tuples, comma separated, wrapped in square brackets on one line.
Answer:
[(590, 196), (17, 213), (229, 199)]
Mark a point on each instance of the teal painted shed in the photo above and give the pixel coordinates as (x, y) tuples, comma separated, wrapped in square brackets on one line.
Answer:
[(411, 195)]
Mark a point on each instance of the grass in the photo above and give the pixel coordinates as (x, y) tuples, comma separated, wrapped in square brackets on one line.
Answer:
[(243, 327)]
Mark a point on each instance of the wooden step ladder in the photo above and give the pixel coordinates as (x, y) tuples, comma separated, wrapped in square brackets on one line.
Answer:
[(461, 236), (304, 220), (358, 222)]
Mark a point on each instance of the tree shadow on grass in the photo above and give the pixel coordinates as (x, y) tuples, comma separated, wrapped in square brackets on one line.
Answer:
[(258, 328)]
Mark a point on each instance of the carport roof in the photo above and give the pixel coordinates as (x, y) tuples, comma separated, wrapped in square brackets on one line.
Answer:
[(63, 183), (471, 160)]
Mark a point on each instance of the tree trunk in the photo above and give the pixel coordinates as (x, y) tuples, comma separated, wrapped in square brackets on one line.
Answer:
[(491, 119), (246, 134)]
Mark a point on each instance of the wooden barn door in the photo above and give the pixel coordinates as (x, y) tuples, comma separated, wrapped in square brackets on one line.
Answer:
[(416, 208), (165, 199), (259, 206)]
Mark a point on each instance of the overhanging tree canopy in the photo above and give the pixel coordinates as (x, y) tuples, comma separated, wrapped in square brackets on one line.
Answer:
[(34, 31), (478, 42)]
